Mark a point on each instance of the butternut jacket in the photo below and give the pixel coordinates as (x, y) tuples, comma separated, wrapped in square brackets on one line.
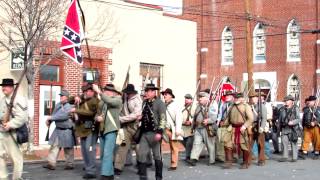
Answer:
[(235, 118)]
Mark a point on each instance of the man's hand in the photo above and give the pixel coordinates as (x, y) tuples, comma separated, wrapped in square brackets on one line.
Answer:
[(48, 122), (290, 123), (243, 128), (6, 126), (261, 130), (139, 117), (96, 88), (187, 123), (205, 121), (72, 110), (77, 100), (313, 123), (178, 134), (99, 119)]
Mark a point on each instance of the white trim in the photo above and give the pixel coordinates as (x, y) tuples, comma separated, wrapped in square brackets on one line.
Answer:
[(223, 35)]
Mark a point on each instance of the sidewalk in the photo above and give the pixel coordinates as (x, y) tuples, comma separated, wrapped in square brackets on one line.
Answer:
[(41, 153)]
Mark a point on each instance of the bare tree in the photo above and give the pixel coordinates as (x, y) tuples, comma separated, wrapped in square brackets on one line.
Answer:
[(25, 23)]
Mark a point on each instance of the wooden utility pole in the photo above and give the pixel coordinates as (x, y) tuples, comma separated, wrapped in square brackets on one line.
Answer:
[(249, 45)]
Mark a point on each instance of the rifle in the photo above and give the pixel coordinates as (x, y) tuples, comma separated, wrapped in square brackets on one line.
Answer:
[(268, 95), (202, 76), (50, 112), (249, 90), (315, 107), (259, 109)]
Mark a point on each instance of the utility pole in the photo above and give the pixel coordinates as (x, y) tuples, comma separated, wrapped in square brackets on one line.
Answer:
[(249, 45)]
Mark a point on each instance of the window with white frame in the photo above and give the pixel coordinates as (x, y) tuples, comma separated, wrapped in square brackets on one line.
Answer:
[(259, 44), (293, 41), (227, 47)]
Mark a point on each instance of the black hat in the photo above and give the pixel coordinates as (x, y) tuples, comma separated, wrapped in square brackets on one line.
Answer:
[(150, 87), (288, 98), (205, 90), (64, 93), (7, 82), (130, 89), (238, 95), (87, 87), (168, 91), (188, 96), (312, 98), (111, 87), (263, 94)]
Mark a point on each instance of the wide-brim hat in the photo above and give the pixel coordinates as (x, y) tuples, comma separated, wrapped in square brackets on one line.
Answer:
[(238, 95), (130, 89), (255, 94), (168, 91), (263, 94), (150, 87), (188, 96), (87, 87), (311, 98), (7, 82), (288, 98), (204, 94), (64, 93), (111, 87)]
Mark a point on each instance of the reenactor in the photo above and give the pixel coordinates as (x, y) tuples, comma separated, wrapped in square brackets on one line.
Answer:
[(153, 122), (187, 122), (108, 117), (259, 123), (63, 135), (173, 126), (238, 121), (289, 119), (203, 135), (87, 129), (10, 122), (310, 123), (131, 110)]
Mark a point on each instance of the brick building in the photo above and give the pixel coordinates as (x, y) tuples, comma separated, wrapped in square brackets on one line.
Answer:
[(284, 50), (58, 72)]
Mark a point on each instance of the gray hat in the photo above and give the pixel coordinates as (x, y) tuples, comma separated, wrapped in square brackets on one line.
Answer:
[(204, 94), (64, 93), (288, 98), (188, 96)]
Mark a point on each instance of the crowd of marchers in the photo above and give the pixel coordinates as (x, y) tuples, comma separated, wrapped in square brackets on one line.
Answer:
[(227, 126)]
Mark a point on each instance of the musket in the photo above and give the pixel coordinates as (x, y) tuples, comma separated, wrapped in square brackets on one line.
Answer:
[(210, 92), (249, 90), (202, 76), (259, 108), (269, 91), (50, 112)]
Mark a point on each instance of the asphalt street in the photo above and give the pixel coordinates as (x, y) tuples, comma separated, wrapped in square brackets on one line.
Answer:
[(302, 170)]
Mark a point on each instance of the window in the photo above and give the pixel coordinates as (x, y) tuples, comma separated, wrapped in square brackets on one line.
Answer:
[(49, 73), (293, 87), (90, 75), (151, 73), (293, 41), (227, 47), (259, 44)]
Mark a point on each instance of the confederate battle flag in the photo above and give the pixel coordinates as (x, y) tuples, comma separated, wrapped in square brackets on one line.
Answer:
[(71, 38)]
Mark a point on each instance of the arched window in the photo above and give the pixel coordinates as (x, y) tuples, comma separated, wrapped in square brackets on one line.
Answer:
[(293, 41), (227, 47), (259, 44), (293, 87)]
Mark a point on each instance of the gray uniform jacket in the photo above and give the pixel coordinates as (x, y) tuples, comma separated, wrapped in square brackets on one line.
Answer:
[(200, 115), (287, 115), (255, 110), (64, 126)]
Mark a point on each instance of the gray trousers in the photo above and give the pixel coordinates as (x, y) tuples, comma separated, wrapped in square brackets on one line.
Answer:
[(275, 141), (88, 151), (188, 143), (146, 144), (202, 139), (285, 144), (54, 153)]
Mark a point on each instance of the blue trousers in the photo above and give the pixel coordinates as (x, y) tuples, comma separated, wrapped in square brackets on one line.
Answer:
[(107, 146), (267, 149)]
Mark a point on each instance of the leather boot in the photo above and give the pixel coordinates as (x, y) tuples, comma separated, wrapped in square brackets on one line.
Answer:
[(107, 178), (159, 166), (246, 156), (142, 171), (228, 155)]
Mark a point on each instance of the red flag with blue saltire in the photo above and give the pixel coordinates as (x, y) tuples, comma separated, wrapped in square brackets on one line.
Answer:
[(72, 34)]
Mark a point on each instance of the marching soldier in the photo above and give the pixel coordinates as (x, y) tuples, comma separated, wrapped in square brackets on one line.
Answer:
[(8, 141), (259, 124), (237, 122), (86, 128), (153, 122), (108, 117), (289, 119), (128, 118), (187, 122), (310, 122), (173, 126), (63, 134), (223, 112), (202, 136)]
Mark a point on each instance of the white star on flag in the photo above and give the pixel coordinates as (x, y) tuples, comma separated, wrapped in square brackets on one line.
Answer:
[(67, 32), (79, 53), (73, 37)]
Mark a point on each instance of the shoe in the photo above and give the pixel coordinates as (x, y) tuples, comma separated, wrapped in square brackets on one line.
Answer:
[(283, 160), (219, 160), (49, 166), (261, 163), (276, 152), (106, 177), (303, 156), (127, 165), (117, 171), (68, 167), (192, 162), (211, 164), (316, 157), (293, 160), (172, 168), (89, 176)]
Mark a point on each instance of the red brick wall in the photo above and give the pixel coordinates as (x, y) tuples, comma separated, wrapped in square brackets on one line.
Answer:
[(276, 14)]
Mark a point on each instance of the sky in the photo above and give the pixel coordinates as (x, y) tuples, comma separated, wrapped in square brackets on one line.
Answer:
[(169, 6)]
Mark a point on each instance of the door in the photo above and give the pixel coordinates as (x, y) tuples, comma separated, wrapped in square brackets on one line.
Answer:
[(49, 97)]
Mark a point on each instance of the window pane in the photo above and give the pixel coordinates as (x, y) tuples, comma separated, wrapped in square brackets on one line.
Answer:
[(49, 73), (90, 75)]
